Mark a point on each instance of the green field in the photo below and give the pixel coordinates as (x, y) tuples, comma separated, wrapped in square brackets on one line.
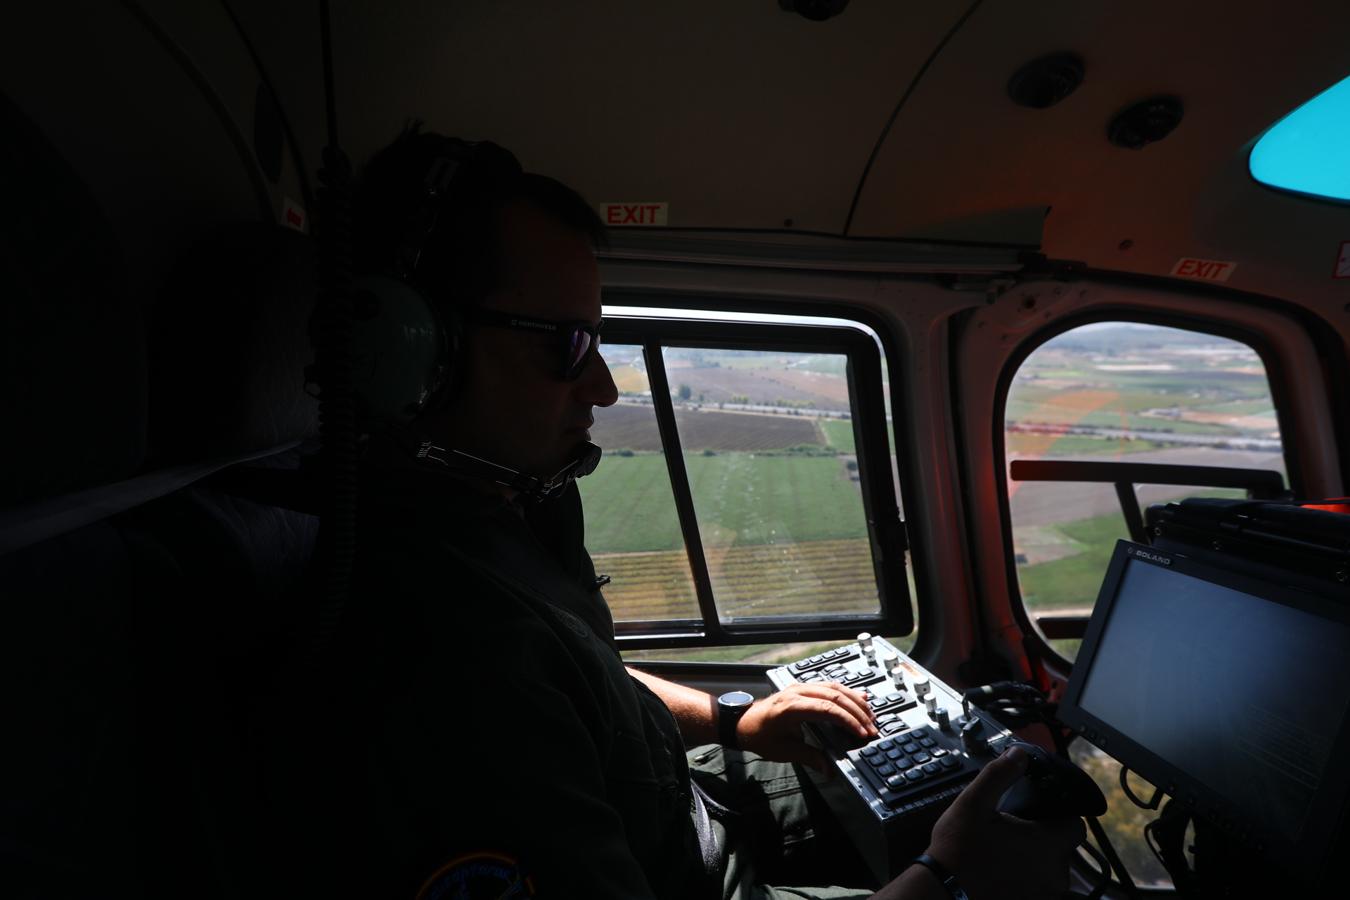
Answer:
[(838, 434), (1074, 580), (740, 498)]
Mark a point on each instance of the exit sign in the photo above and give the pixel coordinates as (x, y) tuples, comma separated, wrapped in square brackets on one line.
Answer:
[(631, 214), (1204, 269)]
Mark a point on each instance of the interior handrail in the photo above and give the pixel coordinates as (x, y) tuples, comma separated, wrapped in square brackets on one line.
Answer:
[(1260, 484)]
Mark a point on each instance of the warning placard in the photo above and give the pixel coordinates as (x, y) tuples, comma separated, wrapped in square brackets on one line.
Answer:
[(631, 214), (1203, 269), (1343, 261), (293, 215)]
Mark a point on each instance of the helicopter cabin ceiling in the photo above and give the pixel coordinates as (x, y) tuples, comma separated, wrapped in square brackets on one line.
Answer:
[(742, 115)]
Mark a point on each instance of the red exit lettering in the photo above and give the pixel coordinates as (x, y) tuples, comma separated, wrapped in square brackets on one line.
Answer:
[(634, 213), (1204, 269)]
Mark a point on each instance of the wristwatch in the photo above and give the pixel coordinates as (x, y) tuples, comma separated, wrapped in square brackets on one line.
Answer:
[(945, 878), (730, 707)]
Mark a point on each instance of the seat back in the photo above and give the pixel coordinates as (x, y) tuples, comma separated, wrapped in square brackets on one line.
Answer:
[(148, 608)]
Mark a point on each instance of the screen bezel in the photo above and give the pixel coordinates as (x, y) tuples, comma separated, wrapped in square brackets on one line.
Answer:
[(1309, 851)]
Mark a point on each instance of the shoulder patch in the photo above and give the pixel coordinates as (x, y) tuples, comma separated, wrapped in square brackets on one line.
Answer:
[(478, 876)]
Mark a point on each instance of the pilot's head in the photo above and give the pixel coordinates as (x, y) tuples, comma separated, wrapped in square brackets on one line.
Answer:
[(512, 255)]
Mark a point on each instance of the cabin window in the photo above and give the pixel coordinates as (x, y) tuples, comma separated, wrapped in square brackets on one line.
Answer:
[(746, 495), (1121, 393), (1308, 151)]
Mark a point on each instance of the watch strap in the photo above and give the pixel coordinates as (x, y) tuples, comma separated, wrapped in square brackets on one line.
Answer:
[(728, 717), (944, 877), (726, 726)]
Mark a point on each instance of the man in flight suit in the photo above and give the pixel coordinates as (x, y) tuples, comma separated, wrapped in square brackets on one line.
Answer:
[(497, 745)]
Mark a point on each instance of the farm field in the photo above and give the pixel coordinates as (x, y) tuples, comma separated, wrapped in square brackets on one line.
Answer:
[(829, 576), (740, 499), (1033, 446), (838, 434), (1156, 379), (1106, 408), (773, 387), (822, 363), (632, 426), (1073, 579)]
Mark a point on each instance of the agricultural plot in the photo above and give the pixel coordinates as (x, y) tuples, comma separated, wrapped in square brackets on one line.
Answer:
[(632, 426), (771, 387), (838, 434), (1021, 443), (740, 499), (1103, 408), (815, 577), (819, 384), (1153, 379), (1072, 578)]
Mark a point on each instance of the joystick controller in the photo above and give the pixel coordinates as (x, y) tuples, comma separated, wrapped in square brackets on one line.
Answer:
[(1053, 788)]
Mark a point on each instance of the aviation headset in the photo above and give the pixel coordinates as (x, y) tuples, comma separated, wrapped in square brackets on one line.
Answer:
[(408, 345)]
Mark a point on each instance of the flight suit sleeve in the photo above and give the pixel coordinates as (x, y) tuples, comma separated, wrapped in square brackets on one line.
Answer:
[(485, 757)]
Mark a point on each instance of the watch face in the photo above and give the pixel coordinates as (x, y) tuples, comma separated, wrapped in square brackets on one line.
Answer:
[(736, 699)]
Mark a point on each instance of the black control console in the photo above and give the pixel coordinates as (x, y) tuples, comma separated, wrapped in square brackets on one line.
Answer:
[(890, 791)]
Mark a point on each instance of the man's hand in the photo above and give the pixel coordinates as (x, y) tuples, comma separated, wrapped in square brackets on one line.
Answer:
[(996, 855), (772, 727)]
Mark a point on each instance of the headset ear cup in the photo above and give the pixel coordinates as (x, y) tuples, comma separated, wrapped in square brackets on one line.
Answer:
[(401, 352)]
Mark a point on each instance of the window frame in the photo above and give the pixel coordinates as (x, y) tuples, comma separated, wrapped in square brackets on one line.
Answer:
[(887, 536), (1035, 635)]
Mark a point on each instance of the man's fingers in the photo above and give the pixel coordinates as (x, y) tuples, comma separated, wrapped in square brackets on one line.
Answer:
[(804, 708), (847, 700), (994, 780)]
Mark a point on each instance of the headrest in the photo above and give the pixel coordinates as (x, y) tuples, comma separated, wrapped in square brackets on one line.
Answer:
[(72, 396), (229, 343)]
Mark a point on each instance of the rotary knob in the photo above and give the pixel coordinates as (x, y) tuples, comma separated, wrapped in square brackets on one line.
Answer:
[(972, 737), (865, 643)]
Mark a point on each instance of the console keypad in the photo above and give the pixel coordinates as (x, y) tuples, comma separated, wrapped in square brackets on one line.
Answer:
[(917, 763), (905, 771)]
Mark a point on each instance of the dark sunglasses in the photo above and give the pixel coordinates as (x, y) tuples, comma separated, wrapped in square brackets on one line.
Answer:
[(578, 341)]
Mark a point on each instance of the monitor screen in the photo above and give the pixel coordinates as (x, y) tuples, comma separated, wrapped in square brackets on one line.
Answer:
[(1242, 693)]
